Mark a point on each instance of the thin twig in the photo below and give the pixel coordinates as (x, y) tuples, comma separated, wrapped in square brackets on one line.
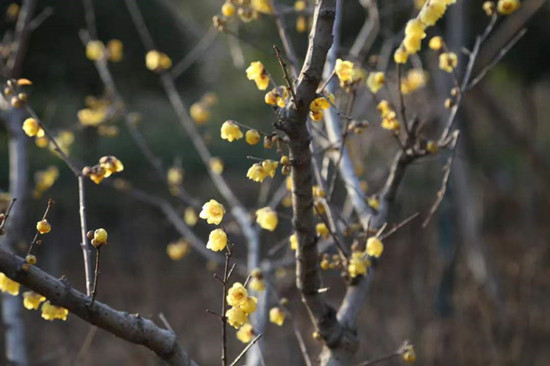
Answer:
[(96, 274), (6, 215), (399, 226), (289, 82), (241, 355)]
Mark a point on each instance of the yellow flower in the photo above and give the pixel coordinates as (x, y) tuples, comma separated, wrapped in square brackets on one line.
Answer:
[(257, 173), (300, 5), (230, 131), (277, 96), (318, 191), (32, 300), (408, 354), (267, 218), (190, 216), (436, 43), (448, 61), (318, 104), (507, 6), (31, 127), (111, 165), (252, 137), (270, 167), (257, 282), (249, 305), (414, 80), (52, 312), (374, 247), (357, 265), (216, 164), (176, 251), (344, 70), (237, 295), (91, 117), (95, 50), (288, 182), (400, 56), (175, 176), (236, 317), (390, 122), (8, 286), (199, 113), (489, 8), (43, 226), (376, 81), (301, 24), (293, 242), (414, 33), (245, 333), (228, 9), (157, 61), (212, 212), (217, 240), (432, 12), (100, 238), (384, 108), (322, 230), (373, 202), (277, 316), (256, 71), (30, 259), (115, 48), (262, 6)]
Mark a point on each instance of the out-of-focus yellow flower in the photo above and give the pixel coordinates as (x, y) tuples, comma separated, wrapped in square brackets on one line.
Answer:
[(316, 108), (358, 264), (318, 191), (432, 12), (489, 7), (373, 202), (212, 212), (390, 122), (322, 230), (257, 282), (257, 173), (52, 312), (277, 316), (262, 6), (414, 33), (217, 240), (236, 317), (245, 333), (436, 43), (384, 108), (31, 127), (267, 218), (190, 216), (418, 4), (216, 164), (115, 50), (374, 247), (270, 167), (43, 227), (230, 131), (401, 55), (301, 24), (408, 354), (293, 242), (252, 137), (448, 61), (256, 71), (376, 81), (414, 80), (507, 6), (177, 250), (12, 11), (91, 117), (45, 179), (175, 176), (9, 286), (199, 113), (32, 300), (228, 9), (300, 5), (95, 50), (237, 295), (157, 61)]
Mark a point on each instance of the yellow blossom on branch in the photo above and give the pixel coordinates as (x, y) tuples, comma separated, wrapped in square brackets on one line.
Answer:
[(257, 282), (252, 137), (245, 333), (190, 216), (376, 81), (358, 264), (293, 242), (256, 71), (448, 61), (217, 240), (257, 173), (95, 50), (177, 250), (31, 127), (212, 212), (267, 218), (374, 247), (322, 230), (236, 317), (43, 227), (157, 61), (52, 312), (237, 295), (230, 131), (277, 316), (32, 300), (8, 285), (249, 305)]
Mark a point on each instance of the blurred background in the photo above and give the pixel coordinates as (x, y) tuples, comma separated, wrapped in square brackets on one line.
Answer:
[(472, 288)]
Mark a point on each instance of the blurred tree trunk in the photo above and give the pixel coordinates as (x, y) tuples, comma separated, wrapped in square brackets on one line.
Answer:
[(12, 308)]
